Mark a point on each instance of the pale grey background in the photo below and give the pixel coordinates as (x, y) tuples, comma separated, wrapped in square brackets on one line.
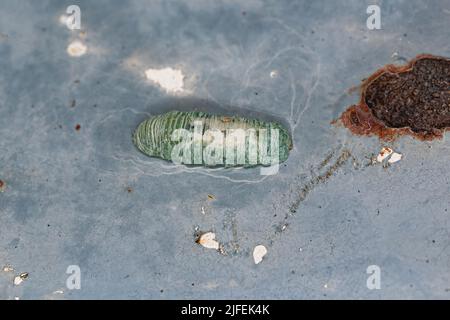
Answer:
[(67, 202)]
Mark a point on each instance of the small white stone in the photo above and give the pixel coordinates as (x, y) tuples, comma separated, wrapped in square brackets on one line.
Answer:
[(20, 278), (17, 280), (207, 240), (76, 49), (384, 153), (258, 253), (395, 157), (273, 73)]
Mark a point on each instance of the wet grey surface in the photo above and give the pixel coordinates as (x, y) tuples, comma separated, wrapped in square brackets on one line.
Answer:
[(89, 198)]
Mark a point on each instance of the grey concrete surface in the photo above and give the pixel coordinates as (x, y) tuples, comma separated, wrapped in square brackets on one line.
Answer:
[(89, 198)]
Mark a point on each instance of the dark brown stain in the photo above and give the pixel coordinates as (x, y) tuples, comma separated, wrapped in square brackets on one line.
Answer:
[(412, 99)]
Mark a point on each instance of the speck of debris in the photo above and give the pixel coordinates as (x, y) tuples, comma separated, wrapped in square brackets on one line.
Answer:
[(129, 190), (211, 197), (2, 186), (76, 49), (73, 103), (20, 278), (258, 253), (384, 154), (395, 157), (78, 127), (208, 240), (8, 269)]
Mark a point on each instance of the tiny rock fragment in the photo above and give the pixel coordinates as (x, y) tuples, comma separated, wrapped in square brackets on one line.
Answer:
[(384, 153), (211, 197), (258, 253), (273, 74), (203, 210), (76, 49), (2, 186), (207, 240), (20, 278), (8, 269), (395, 158)]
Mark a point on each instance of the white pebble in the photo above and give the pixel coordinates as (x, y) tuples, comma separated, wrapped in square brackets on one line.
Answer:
[(258, 253), (395, 157), (76, 49), (384, 153), (207, 240)]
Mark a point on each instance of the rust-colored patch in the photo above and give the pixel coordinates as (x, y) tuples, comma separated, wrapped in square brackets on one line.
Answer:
[(390, 105)]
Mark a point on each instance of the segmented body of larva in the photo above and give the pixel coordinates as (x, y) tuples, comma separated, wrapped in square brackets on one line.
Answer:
[(199, 138)]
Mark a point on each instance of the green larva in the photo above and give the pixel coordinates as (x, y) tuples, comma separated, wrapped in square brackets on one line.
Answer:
[(199, 138)]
